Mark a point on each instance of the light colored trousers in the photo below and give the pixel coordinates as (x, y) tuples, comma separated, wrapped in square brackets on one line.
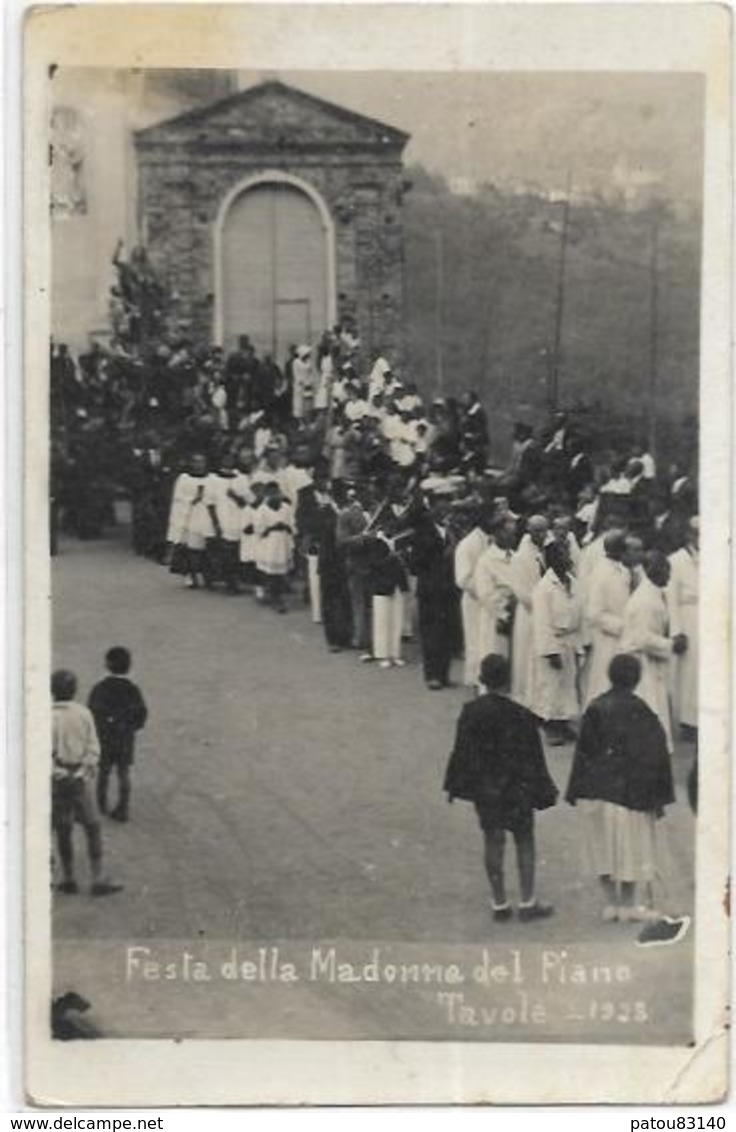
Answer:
[(388, 618), (315, 598), (410, 608), (471, 611)]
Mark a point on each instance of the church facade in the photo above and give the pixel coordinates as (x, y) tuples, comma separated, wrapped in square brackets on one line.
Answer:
[(274, 213)]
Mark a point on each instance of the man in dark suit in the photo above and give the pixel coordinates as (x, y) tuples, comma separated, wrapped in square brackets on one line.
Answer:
[(433, 563), (498, 764)]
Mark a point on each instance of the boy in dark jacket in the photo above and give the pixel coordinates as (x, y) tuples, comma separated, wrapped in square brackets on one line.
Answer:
[(498, 764), (119, 711)]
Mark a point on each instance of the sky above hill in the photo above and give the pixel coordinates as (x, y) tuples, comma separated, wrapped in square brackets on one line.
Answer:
[(531, 128)]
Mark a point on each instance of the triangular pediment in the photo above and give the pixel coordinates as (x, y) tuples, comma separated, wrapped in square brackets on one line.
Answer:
[(276, 116)]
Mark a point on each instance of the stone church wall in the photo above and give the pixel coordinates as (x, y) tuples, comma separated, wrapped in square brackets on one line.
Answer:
[(187, 168)]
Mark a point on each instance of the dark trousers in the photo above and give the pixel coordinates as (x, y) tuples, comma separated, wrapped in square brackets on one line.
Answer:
[(436, 631), (360, 606), (230, 563), (336, 611), (275, 586), (122, 769)]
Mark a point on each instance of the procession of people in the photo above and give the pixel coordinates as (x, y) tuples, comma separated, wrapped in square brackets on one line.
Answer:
[(332, 484)]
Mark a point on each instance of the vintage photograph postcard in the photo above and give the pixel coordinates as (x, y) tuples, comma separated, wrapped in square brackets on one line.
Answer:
[(377, 430)]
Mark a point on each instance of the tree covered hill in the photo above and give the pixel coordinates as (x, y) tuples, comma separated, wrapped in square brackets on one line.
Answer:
[(482, 280)]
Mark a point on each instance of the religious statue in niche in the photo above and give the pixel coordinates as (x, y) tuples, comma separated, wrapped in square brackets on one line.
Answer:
[(67, 154)]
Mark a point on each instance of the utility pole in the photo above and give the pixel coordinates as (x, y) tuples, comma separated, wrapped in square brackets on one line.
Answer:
[(653, 333), (439, 302), (274, 282), (554, 372)]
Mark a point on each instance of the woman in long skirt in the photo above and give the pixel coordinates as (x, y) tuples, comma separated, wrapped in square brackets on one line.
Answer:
[(621, 779)]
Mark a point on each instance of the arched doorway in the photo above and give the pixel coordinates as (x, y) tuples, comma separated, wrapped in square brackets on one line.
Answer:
[(274, 257)]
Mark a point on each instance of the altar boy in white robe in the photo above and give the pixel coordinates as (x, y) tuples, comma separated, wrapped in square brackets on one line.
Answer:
[(682, 600), (274, 532), (647, 634), (557, 646)]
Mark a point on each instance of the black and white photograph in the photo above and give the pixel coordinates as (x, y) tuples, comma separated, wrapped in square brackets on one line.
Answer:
[(374, 493)]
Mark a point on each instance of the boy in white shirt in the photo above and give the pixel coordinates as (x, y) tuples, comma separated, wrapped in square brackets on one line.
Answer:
[(75, 754)]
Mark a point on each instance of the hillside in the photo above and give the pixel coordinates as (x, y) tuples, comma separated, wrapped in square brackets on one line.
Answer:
[(500, 256)]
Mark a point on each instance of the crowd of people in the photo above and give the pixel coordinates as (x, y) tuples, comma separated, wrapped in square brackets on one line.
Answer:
[(331, 481)]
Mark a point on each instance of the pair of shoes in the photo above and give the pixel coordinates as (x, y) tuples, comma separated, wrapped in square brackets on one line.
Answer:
[(384, 664), (535, 911), (118, 814), (68, 888), (435, 685), (105, 888), (397, 662), (610, 914), (502, 915), (665, 930)]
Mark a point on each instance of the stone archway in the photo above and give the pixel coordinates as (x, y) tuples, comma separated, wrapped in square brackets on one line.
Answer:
[(274, 261), (193, 171)]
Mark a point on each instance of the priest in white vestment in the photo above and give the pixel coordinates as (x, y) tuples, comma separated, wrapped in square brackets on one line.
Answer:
[(682, 598), (527, 568)]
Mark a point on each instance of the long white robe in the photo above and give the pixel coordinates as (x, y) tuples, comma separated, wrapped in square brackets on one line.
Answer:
[(556, 620), (682, 601), (189, 520), (303, 386), (274, 549), (527, 567), (608, 594), (590, 557), (182, 498), (494, 590), (467, 553), (229, 511), (646, 634)]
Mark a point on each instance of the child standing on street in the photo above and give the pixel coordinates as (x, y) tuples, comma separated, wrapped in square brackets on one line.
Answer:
[(75, 753), (498, 764), (119, 711)]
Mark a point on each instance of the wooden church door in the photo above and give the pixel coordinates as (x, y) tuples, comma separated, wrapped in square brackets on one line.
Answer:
[(274, 269)]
